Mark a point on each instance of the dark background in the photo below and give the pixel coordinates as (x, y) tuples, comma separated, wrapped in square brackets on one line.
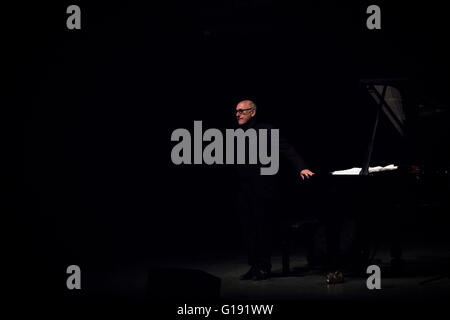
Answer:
[(88, 113)]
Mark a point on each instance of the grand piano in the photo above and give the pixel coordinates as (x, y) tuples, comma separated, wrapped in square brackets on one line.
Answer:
[(357, 208)]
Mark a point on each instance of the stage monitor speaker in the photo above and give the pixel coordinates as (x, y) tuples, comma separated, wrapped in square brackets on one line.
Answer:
[(182, 285)]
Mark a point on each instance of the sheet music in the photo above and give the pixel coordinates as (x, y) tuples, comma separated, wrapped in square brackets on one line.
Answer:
[(356, 171)]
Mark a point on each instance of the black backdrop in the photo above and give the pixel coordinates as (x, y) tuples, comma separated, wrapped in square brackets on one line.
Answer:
[(88, 114)]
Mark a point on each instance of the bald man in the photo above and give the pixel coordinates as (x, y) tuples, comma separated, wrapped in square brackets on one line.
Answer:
[(257, 197)]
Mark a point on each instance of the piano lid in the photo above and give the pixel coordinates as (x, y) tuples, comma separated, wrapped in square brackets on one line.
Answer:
[(387, 137), (387, 93), (393, 106)]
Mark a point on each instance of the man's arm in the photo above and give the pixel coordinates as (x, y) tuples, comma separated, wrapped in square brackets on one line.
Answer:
[(288, 151)]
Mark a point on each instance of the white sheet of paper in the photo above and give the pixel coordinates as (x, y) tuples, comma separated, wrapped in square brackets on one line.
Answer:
[(356, 171)]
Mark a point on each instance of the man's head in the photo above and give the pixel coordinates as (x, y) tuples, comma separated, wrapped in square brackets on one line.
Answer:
[(245, 110)]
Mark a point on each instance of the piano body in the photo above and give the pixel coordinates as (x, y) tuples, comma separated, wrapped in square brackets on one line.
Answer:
[(359, 207)]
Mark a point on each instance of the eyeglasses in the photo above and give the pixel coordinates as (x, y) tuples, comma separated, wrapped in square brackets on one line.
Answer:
[(241, 111)]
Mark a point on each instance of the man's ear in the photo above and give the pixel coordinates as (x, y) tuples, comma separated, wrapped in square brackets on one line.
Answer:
[(253, 113)]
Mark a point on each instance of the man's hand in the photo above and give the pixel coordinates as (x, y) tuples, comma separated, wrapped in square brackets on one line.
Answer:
[(305, 173)]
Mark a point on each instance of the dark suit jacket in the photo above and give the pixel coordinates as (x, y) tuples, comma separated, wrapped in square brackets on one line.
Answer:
[(250, 175)]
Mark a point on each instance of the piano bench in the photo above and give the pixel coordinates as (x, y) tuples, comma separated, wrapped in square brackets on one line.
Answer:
[(291, 228)]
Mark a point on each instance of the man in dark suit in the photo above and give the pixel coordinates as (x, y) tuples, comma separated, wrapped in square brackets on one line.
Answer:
[(257, 197)]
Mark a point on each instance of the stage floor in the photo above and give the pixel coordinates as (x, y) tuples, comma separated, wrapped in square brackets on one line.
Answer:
[(130, 280)]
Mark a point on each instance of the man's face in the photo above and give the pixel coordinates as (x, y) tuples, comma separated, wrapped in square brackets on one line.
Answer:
[(244, 112)]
